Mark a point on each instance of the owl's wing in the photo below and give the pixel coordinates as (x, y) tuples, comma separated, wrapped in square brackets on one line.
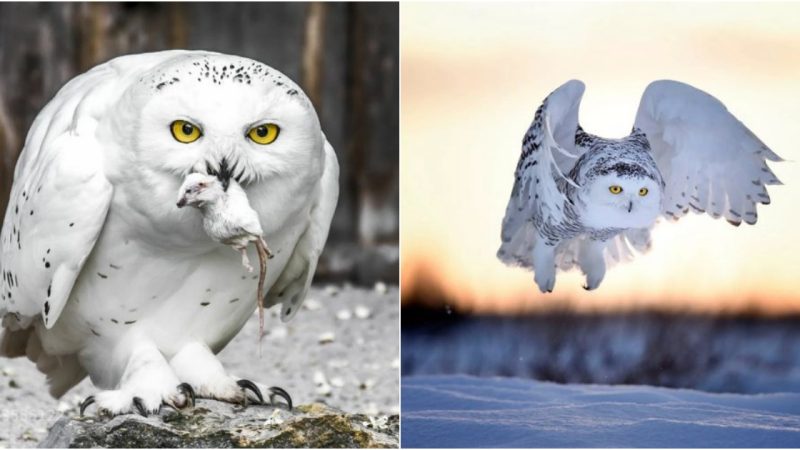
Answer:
[(58, 201), (710, 161), (292, 285), (548, 154)]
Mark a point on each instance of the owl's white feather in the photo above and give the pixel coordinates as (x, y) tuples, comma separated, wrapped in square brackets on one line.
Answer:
[(292, 286), (103, 275), (58, 201), (686, 152), (711, 162)]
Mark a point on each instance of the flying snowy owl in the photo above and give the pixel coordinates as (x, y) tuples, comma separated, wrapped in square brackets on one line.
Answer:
[(582, 200), (102, 274)]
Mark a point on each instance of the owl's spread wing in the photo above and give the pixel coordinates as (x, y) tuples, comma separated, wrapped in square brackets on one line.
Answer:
[(58, 202), (293, 283), (710, 161), (548, 154)]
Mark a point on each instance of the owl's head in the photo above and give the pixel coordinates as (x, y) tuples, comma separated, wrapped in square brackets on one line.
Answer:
[(219, 114), (624, 195)]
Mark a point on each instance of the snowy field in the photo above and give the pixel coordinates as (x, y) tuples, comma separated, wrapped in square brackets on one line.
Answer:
[(342, 350), (464, 411)]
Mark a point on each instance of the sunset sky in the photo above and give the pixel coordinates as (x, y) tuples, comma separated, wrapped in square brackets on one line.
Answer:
[(472, 76)]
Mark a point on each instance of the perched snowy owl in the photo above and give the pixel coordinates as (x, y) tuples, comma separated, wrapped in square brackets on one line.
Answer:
[(582, 200), (102, 274)]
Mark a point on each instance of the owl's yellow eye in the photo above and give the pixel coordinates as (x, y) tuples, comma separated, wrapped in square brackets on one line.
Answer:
[(264, 134), (615, 189), (185, 132), (643, 191)]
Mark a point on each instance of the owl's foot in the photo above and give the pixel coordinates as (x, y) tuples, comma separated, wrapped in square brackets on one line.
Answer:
[(592, 263), (146, 384), (544, 266), (546, 280), (593, 281), (274, 391), (244, 392), (116, 402), (196, 364), (251, 387)]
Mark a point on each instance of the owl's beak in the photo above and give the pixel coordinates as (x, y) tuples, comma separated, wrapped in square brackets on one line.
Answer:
[(630, 205), (224, 173)]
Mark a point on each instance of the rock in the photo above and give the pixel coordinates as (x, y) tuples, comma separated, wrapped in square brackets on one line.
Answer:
[(221, 425), (367, 384), (312, 304), (326, 338), (63, 407), (332, 290), (277, 333), (362, 312), (28, 435), (321, 381)]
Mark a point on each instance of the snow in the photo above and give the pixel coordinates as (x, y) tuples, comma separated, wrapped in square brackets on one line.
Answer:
[(466, 411)]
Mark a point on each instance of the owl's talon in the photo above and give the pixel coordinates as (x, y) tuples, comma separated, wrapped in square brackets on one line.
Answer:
[(188, 391), (85, 403), (137, 402), (249, 385), (276, 391)]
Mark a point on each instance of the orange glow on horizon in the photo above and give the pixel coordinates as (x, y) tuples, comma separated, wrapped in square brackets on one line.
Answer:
[(472, 76)]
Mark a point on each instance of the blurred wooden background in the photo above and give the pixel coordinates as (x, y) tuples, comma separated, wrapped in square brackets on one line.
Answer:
[(344, 55)]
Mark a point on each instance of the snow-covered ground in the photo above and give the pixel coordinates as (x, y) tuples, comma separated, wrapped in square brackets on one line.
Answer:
[(464, 411)]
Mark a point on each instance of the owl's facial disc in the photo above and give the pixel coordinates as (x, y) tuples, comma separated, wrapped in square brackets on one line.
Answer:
[(230, 117), (615, 201)]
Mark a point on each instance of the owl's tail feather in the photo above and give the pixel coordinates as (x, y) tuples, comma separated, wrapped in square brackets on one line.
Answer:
[(63, 372)]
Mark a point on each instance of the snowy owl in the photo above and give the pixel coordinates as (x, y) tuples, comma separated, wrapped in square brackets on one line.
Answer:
[(582, 200), (102, 274)]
